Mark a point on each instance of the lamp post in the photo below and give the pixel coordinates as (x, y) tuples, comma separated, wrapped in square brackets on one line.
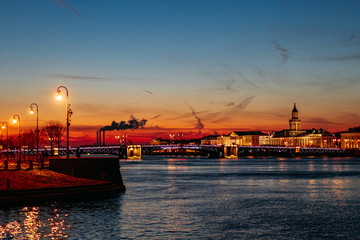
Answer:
[(7, 133), (68, 114), (18, 122), (37, 126), (7, 137)]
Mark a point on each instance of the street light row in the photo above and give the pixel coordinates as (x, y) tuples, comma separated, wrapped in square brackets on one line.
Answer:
[(16, 119)]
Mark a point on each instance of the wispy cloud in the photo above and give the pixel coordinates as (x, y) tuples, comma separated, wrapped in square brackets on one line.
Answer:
[(63, 3), (321, 121), (146, 91), (285, 53), (159, 115), (243, 104), (78, 77), (339, 58), (222, 116), (351, 38), (230, 104)]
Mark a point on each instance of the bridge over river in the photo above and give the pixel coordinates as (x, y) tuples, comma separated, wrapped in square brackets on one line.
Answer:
[(216, 151)]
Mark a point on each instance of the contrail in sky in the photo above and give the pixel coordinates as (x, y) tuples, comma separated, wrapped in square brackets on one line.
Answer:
[(63, 3)]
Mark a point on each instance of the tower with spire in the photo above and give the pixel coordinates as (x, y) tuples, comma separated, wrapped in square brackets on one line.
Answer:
[(294, 122)]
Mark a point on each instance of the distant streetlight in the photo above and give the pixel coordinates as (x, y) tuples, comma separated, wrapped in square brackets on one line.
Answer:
[(18, 122), (37, 126), (124, 137), (68, 115), (117, 137), (172, 138)]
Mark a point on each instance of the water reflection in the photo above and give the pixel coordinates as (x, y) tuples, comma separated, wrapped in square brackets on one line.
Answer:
[(175, 198), (32, 224), (10, 230)]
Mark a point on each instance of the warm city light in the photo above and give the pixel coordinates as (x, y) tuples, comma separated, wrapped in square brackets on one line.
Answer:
[(58, 97), (243, 119)]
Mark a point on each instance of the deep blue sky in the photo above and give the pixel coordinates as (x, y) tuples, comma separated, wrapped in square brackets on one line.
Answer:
[(237, 64)]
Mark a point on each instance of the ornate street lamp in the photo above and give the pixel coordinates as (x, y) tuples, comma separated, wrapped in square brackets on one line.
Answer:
[(7, 136), (18, 122), (37, 126), (7, 133), (68, 115)]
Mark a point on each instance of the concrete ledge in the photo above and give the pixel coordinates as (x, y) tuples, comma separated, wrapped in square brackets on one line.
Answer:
[(105, 169), (12, 197)]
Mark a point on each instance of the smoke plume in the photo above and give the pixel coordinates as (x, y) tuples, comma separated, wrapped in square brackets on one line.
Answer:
[(132, 123), (199, 124)]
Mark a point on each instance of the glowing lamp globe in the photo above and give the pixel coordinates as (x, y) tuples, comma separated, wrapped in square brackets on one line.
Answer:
[(58, 97)]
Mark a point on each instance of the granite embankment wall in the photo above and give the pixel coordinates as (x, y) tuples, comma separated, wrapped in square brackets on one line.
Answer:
[(106, 169)]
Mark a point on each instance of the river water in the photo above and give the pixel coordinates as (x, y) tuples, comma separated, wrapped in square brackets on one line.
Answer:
[(201, 198)]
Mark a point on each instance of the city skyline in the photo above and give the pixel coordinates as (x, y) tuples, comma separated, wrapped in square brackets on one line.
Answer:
[(184, 66)]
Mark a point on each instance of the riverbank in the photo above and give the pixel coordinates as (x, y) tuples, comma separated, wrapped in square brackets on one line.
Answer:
[(42, 185), (36, 178)]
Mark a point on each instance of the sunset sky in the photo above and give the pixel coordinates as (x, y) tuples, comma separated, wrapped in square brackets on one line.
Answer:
[(192, 66)]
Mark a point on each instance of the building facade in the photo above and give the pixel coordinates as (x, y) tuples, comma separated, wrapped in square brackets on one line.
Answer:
[(212, 140), (242, 138), (351, 138), (297, 137)]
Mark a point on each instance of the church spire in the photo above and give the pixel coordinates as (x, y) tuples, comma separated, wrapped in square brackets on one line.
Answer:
[(295, 122), (295, 112)]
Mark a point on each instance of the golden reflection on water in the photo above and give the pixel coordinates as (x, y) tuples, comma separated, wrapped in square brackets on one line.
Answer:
[(333, 188), (29, 226), (57, 226), (173, 166), (9, 230), (283, 167), (283, 182), (312, 187), (31, 223)]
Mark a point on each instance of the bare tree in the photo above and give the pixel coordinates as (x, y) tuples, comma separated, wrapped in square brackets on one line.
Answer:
[(53, 133), (29, 139), (13, 142)]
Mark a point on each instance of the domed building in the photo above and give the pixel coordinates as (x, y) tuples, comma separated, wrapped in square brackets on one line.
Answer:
[(296, 137)]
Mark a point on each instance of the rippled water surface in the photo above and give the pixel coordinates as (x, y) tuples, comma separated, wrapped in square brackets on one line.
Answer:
[(200, 198)]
